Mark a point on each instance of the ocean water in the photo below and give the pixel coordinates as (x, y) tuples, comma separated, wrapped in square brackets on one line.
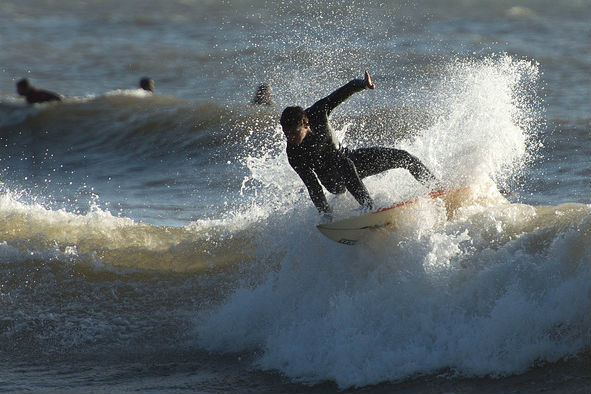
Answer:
[(162, 243)]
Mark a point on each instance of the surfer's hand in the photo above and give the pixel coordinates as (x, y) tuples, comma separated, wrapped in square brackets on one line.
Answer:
[(368, 83)]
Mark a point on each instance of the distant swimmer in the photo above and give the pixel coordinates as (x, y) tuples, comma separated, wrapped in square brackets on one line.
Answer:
[(263, 95), (147, 84), (33, 95), (318, 158)]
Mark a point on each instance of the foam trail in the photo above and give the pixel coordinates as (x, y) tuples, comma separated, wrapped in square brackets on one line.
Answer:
[(451, 299)]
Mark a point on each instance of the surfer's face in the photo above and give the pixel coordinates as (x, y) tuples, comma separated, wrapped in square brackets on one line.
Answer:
[(295, 135)]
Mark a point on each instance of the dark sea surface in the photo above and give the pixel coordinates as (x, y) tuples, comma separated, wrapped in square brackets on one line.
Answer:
[(161, 242)]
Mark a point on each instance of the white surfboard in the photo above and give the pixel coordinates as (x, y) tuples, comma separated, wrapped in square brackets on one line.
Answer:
[(354, 229)]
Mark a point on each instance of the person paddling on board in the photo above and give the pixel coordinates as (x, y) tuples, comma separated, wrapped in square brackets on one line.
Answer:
[(33, 95), (315, 154)]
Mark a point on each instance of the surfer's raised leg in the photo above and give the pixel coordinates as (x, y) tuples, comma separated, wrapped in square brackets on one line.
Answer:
[(372, 161), (352, 181)]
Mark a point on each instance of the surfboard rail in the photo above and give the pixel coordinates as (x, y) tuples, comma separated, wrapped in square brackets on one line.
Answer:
[(350, 231)]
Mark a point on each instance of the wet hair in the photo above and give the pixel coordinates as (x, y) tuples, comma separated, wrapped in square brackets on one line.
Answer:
[(292, 117), (23, 84), (263, 95), (147, 84)]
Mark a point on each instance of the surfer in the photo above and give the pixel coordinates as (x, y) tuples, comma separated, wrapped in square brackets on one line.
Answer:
[(147, 84), (263, 95), (33, 95), (314, 153)]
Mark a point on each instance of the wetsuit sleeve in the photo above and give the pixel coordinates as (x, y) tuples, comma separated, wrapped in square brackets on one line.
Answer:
[(314, 188), (337, 97)]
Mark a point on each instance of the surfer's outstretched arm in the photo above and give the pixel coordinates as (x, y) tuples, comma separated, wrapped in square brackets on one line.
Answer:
[(330, 102)]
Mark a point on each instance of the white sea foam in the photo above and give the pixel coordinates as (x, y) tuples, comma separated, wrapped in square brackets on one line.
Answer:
[(490, 293)]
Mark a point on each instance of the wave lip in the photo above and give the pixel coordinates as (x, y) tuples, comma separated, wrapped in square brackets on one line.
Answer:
[(98, 240)]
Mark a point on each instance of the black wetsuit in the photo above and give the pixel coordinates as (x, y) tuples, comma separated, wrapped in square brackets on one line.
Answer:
[(320, 157), (34, 96)]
